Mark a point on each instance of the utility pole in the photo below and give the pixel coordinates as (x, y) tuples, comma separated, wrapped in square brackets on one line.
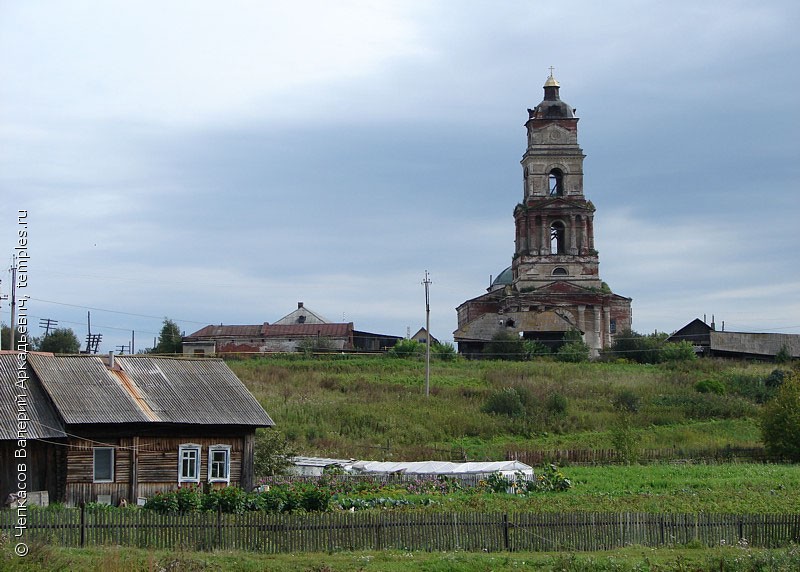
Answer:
[(46, 323), (13, 302), (3, 297), (427, 282)]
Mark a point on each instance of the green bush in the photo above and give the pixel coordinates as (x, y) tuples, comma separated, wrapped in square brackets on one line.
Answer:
[(633, 346), (444, 352), (783, 355), (677, 351), (627, 401), (272, 455), (406, 349), (550, 478), (185, 499), (573, 352), (232, 500), (556, 405), (535, 349), (780, 421), (775, 378), (506, 346), (506, 401), (714, 386)]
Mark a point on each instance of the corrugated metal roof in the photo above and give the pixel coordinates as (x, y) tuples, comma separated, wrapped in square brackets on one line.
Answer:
[(340, 330), (199, 391), (84, 391), (143, 389), (43, 422), (212, 331)]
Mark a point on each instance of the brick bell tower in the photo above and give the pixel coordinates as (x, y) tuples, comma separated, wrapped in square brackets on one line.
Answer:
[(554, 221), (553, 284)]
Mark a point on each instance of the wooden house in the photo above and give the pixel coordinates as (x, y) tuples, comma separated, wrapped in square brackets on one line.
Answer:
[(135, 425)]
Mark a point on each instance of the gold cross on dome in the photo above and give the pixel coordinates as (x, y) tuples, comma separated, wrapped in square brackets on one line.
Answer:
[(551, 71)]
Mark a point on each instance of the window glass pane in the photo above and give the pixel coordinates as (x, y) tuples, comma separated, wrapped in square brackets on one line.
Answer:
[(218, 461), (103, 464), (189, 463)]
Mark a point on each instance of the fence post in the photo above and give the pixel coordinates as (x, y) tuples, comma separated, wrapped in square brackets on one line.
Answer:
[(219, 527), (83, 523), (506, 544)]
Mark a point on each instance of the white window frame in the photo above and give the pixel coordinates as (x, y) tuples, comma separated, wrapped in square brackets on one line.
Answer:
[(94, 464), (187, 448), (226, 478)]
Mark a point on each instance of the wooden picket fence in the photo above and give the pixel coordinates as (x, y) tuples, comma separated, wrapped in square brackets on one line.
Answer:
[(327, 532), (611, 456)]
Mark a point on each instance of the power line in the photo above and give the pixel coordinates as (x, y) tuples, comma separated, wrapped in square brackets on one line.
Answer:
[(113, 311)]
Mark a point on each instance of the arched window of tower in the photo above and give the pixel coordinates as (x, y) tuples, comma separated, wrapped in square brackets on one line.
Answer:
[(556, 183), (557, 238), (559, 271)]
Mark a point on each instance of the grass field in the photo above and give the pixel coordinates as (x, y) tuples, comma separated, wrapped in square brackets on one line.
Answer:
[(375, 407), (727, 559)]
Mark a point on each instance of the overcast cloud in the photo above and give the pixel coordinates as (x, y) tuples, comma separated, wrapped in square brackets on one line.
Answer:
[(219, 162)]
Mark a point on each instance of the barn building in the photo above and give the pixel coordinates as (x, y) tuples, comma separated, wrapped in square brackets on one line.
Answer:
[(553, 284)]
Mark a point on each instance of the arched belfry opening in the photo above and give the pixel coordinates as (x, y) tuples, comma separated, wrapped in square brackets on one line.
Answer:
[(556, 185), (557, 238)]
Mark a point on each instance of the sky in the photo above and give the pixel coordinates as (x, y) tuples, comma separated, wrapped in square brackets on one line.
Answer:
[(218, 162)]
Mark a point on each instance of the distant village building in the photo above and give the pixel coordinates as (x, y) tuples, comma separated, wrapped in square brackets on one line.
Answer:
[(707, 341), (288, 334), (422, 337), (112, 428), (553, 284)]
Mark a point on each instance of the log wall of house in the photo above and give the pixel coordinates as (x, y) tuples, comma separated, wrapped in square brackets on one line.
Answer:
[(44, 468), (144, 465)]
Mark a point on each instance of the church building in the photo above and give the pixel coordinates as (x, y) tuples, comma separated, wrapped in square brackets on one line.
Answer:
[(553, 285)]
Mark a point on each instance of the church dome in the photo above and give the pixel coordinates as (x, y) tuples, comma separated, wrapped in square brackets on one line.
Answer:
[(551, 106), (505, 278)]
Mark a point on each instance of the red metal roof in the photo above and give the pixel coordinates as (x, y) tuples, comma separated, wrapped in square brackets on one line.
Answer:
[(307, 330), (212, 331)]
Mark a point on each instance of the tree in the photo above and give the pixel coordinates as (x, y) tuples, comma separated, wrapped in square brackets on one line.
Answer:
[(633, 346), (444, 352), (272, 453), (407, 348), (61, 341), (574, 349), (169, 340), (506, 346), (780, 420), (5, 338)]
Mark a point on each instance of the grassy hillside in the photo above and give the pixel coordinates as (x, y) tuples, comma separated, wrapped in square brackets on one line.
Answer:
[(375, 407)]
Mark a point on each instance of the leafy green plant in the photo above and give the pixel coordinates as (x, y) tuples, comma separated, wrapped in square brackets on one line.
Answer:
[(406, 349), (710, 386), (780, 421), (556, 405), (505, 346), (549, 478), (677, 351), (573, 352), (506, 401), (232, 500), (535, 349), (272, 455), (783, 355), (497, 483), (444, 351)]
